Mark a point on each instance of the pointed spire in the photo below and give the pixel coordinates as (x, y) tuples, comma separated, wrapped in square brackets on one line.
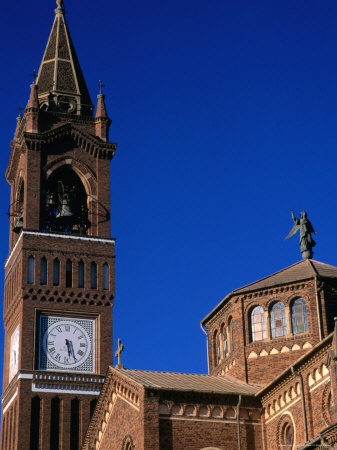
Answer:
[(32, 110), (18, 125), (33, 101), (60, 72), (102, 120), (101, 108)]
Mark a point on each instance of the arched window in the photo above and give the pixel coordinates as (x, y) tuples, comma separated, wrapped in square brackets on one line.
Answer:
[(43, 271), (127, 443), (299, 316), (224, 341), (31, 270), (69, 274), (257, 324), (105, 276), (230, 335), (278, 320), (81, 274), (217, 348), (56, 272), (65, 202), (287, 436), (93, 275)]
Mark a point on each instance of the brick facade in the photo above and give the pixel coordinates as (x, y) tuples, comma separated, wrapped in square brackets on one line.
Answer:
[(61, 261)]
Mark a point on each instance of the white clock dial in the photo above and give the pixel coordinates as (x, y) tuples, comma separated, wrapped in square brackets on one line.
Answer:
[(67, 344), (14, 353)]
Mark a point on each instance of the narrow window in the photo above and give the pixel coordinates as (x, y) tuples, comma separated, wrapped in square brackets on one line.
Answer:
[(31, 269), (278, 321), (69, 274), (56, 272), (34, 423), (93, 275), (55, 424), (74, 424), (217, 348), (257, 325), (81, 274), (224, 341), (287, 436), (299, 316), (105, 276), (230, 335), (43, 273)]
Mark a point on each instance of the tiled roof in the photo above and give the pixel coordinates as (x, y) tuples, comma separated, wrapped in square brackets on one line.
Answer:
[(189, 382), (60, 70), (302, 270)]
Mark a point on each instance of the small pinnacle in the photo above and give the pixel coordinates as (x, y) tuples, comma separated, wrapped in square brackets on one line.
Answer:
[(100, 85), (34, 75)]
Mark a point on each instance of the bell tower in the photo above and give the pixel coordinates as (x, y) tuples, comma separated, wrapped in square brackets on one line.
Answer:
[(59, 274)]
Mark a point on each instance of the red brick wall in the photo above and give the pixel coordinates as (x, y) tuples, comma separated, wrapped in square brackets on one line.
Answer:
[(244, 360), (124, 421), (282, 402)]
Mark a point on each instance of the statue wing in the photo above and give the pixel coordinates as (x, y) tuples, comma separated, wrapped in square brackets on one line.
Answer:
[(292, 231)]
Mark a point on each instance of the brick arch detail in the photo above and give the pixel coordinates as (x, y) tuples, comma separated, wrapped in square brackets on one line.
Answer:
[(292, 298), (79, 167), (325, 404), (286, 417), (277, 299), (127, 442)]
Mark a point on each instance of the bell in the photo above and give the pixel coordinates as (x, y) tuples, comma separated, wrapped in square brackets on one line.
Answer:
[(18, 224), (66, 211)]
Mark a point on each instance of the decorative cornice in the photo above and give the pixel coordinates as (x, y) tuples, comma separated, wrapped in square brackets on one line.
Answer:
[(85, 141)]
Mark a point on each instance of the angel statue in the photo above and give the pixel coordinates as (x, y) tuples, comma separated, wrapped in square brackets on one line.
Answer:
[(306, 241)]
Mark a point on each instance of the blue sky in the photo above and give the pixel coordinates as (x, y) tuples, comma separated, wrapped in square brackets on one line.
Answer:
[(225, 115)]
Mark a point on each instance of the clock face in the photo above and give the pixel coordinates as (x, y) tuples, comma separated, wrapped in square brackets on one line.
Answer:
[(66, 344), (14, 353)]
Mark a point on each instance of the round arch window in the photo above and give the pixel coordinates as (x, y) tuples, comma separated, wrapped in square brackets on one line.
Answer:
[(287, 436)]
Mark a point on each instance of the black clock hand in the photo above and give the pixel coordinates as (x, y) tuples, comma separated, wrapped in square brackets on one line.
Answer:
[(68, 347), (72, 349)]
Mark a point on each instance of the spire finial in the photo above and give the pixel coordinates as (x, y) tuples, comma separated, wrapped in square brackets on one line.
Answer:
[(59, 9), (101, 86), (34, 76)]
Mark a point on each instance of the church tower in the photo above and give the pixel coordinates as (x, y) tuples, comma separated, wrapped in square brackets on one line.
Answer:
[(59, 274)]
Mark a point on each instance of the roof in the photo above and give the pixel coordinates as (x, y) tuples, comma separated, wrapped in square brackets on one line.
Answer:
[(60, 70), (189, 382), (302, 270)]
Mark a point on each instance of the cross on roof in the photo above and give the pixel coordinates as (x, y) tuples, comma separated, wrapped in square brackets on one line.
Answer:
[(118, 354), (34, 75), (100, 85), (20, 108)]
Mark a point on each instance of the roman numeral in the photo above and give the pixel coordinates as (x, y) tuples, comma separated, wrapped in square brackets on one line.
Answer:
[(81, 336), (59, 329), (51, 350), (82, 344), (67, 327), (80, 353)]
